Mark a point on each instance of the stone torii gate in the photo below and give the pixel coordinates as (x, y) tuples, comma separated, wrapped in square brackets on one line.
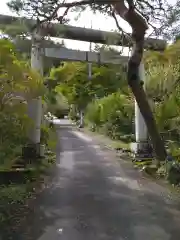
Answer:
[(89, 35)]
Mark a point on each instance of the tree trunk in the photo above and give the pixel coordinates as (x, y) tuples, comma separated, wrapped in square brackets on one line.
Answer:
[(141, 132), (137, 88), (147, 114), (139, 26)]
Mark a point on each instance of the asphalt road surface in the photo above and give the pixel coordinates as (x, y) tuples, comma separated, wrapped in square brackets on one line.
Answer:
[(96, 197)]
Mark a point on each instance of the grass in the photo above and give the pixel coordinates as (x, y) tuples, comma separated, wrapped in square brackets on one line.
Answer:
[(15, 195), (11, 196), (52, 141), (42, 165), (6, 163)]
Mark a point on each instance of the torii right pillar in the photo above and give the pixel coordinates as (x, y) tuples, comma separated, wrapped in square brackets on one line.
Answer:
[(141, 148)]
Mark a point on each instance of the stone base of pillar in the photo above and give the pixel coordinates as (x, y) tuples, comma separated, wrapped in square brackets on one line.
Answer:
[(142, 151), (30, 151)]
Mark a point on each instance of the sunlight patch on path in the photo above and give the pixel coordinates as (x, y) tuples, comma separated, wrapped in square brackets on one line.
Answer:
[(130, 183), (82, 136), (67, 160)]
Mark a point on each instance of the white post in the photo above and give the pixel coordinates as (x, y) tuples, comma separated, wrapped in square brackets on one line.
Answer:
[(141, 132), (34, 113), (35, 105), (90, 64), (36, 54), (81, 118), (89, 71)]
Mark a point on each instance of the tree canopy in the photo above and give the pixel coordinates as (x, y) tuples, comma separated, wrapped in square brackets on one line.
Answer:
[(73, 82)]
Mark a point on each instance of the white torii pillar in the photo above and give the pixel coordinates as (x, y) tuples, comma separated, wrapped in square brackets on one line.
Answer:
[(35, 105), (141, 132), (89, 78)]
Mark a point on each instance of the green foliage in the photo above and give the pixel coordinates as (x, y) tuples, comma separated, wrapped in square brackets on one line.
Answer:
[(56, 103), (52, 142), (18, 83), (73, 113), (112, 115), (13, 130), (163, 87), (105, 98), (44, 134), (74, 84), (14, 196)]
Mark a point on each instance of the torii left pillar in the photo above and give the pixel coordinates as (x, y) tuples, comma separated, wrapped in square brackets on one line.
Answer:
[(35, 105)]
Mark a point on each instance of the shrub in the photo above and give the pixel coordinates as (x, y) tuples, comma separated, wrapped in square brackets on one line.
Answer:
[(44, 134), (112, 115), (13, 131)]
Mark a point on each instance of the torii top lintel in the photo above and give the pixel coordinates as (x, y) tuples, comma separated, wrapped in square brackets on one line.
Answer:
[(85, 34)]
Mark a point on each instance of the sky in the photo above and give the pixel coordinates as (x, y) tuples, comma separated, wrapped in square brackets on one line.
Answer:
[(87, 20)]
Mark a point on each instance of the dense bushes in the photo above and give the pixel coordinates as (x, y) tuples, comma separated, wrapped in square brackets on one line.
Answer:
[(163, 74), (18, 84), (74, 84), (13, 132), (111, 115)]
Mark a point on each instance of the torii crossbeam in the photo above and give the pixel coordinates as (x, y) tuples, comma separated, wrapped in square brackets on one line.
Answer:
[(83, 56), (83, 34)]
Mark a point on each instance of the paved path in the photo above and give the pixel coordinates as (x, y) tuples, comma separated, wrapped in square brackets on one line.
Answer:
[(95, 198)]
